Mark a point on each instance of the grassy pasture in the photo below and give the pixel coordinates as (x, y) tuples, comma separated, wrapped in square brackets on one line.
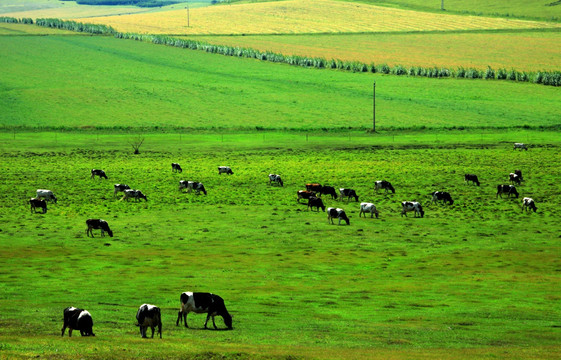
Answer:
[(524, 51), (304, 16), (22, 29), (118, 83), (476, 279)]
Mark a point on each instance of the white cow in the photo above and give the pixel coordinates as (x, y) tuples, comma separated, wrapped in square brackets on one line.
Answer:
[(528, 203), (337, 213), (368, 208), (276, 179), (407, 206), (46, 194), (520, 146)]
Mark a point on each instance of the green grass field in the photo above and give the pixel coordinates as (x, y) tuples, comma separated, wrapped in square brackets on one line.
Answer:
[(110, 83), (476, 279)]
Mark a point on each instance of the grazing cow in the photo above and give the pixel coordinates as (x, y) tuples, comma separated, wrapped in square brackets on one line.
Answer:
[(197, 186), (348, 193), (175, 167), (99, 173), (149, 316), (98, 224), (304, 194), (225, 170), (519, 173), (514, 178), (315, 187), (407, 206), (77, 319), (528, 203), (275, 179), (200, 303), (329, 190), (506, 189), (472, 178), (520, 146), (46, 194), (38, 203), (442, 196), (316, 202), (368, 208), (119, 188), (337, 213), (383, 184), (135, 194)]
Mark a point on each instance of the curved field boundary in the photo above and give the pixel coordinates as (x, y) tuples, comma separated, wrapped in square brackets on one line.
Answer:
[(305, 16)]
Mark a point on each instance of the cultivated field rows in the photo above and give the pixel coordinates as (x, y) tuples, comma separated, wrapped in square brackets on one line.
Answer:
[(474, 275)]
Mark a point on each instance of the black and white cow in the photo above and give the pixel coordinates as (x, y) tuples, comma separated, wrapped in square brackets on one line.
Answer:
[(329, 190), (77, 319), (316, 202), (275, 179), (507, 189), (304, 194), (175, 167), (99, 173), (119, 188), (197, 186), (38, 203), (336, 213), (315, 187), (201, 303), (383, 184), (133, 194), (443, 196), (348, 193), (514, 178), (471, 177), (407, 206), (528, 203), (519, 173), (98, 224), (225, 170), (368, 208), (46, 194), (149, 316), (520, 146)]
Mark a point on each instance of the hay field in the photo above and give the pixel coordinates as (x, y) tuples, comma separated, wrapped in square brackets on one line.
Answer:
[(534, 50), (304, 16)]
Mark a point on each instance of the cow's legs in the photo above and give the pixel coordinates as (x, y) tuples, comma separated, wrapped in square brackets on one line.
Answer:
[(213, 323), (70, 332), (152, 327), (63, 329)]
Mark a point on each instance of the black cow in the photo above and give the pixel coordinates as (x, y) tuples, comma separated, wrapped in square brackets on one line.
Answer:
[(348, 193), (442, 196), (316, 202), (519, 173), (514, 178), (337, 213), (38, 203), (175, 167), (472, 178), (383, 184), (149, 316), (506, 189), (99, 173), (304, 194), (200, 303), (78, 319), (98, 224), (329, 190), (119, 188), (225, 170)]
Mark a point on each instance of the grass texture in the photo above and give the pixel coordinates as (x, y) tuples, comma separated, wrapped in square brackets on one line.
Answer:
[(476, 279)]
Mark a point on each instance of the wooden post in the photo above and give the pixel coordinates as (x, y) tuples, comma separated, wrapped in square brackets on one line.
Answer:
[(374, 107), (187, 7), (442, 5)]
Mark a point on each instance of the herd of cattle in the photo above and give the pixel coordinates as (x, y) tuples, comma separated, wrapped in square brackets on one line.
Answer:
[(150, 316)]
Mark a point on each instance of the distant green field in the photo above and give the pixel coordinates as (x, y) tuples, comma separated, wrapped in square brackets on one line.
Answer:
[(112, 83), (478, 279), (540, 9), (524, 51)]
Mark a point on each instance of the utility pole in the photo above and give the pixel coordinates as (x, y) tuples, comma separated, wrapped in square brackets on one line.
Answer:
[(374, 106), (442, 5), (187, 7)]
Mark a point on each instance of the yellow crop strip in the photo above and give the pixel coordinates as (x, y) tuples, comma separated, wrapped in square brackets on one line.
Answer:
[(303, 16)]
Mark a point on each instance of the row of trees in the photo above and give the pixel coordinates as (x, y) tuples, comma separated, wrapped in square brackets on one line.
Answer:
[(13, 20), (552, 78)]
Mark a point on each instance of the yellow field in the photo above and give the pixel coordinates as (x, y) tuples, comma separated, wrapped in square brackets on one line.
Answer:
[(304, 16), (524, 51)]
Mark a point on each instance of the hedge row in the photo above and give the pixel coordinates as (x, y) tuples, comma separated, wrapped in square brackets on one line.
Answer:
[(552, 78), (13, 20)]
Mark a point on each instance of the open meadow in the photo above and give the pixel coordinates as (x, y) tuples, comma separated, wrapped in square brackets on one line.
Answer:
[(479, 278)]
